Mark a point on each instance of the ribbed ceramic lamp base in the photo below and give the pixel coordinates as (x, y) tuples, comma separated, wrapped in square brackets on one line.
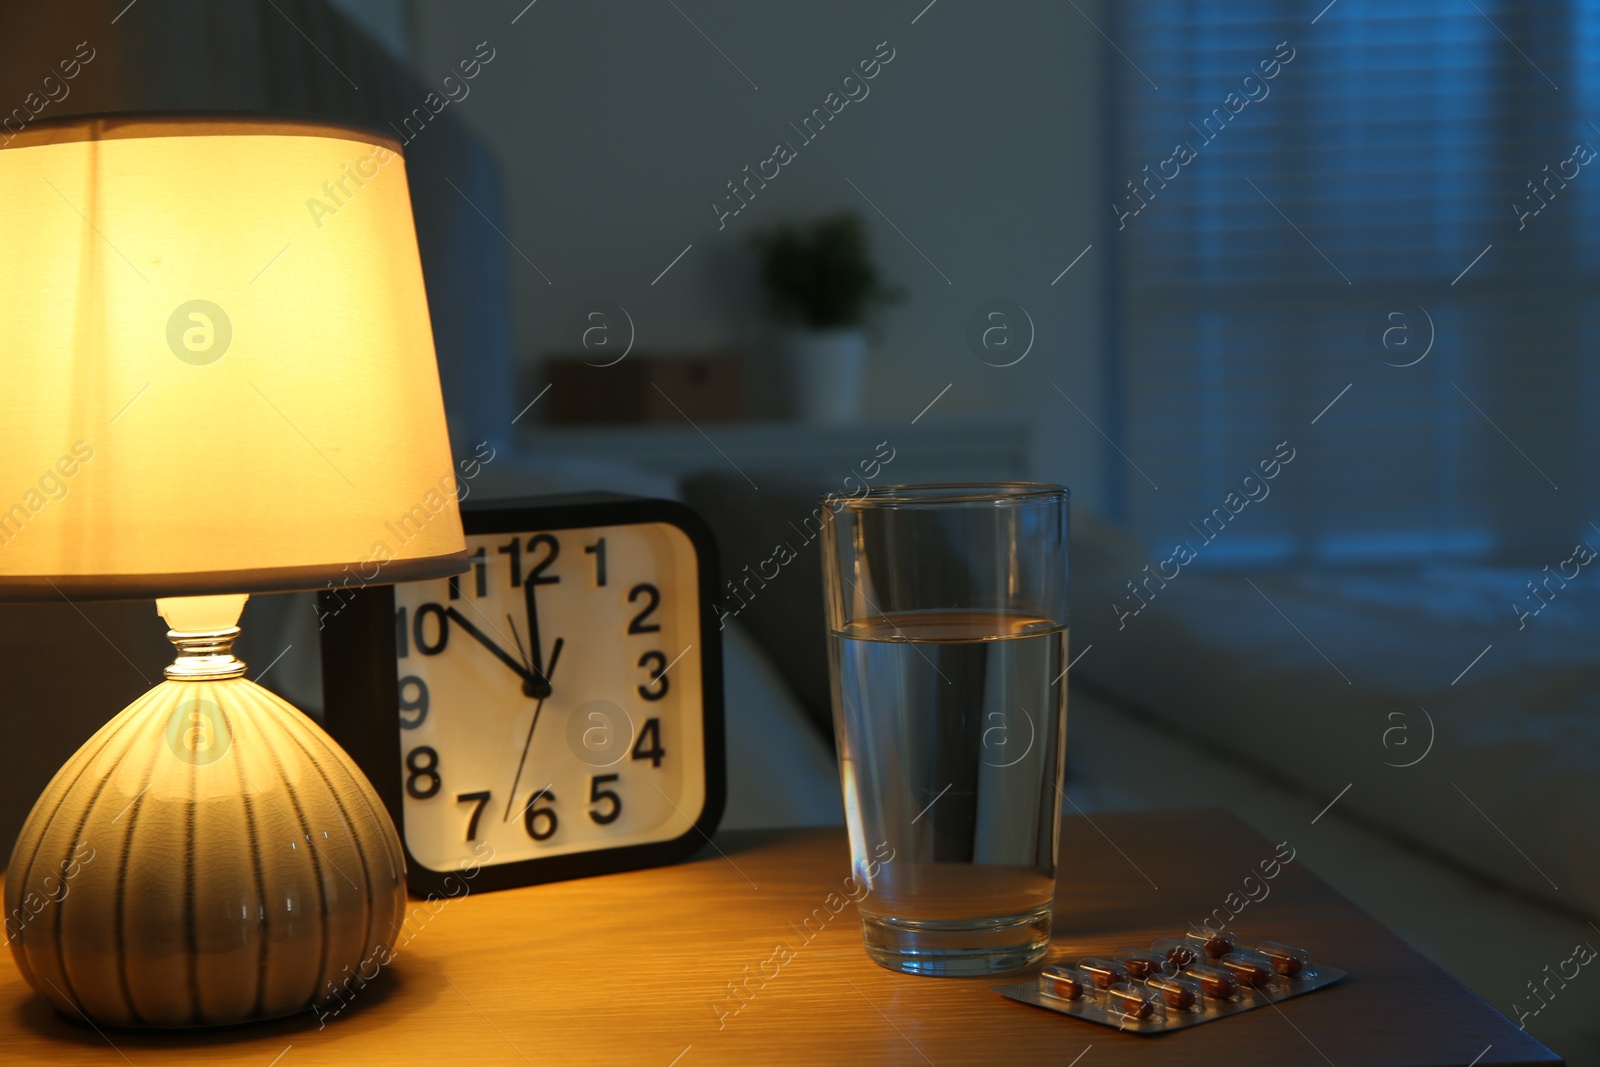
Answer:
[(210, 856)]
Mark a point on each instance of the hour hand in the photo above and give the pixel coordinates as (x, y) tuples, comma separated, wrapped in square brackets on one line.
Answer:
[(536, 683), (483, 639)]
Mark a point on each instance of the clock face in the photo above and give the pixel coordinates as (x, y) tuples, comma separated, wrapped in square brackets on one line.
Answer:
[(551, 698)]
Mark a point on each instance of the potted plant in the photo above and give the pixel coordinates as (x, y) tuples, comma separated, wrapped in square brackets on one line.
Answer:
[(822, 284)]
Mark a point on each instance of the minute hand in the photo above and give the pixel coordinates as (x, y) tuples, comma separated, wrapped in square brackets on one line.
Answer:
[(483, 639), (535, 649)]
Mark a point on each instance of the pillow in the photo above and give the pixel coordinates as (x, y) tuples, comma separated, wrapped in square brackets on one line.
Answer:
[(780, 773), (779, 605)]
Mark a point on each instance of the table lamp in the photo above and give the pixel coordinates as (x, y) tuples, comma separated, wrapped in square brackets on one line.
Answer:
[(219, 379)]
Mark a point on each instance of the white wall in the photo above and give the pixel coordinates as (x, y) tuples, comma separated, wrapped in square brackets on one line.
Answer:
[(618, 125)]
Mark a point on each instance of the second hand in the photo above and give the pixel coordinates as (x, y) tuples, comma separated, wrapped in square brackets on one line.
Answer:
[(555, 654)]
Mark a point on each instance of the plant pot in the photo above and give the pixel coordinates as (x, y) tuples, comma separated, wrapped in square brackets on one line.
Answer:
[(827, 371)]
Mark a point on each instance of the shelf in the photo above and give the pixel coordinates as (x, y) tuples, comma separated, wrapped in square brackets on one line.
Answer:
[(952, 450)]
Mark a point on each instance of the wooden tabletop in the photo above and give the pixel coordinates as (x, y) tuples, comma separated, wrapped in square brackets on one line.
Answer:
[(635, 969)]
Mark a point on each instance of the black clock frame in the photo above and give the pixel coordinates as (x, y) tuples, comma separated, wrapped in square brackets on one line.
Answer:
[(360, 688)]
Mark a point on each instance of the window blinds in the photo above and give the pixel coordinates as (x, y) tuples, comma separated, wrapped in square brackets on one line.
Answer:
[(1375, 236)]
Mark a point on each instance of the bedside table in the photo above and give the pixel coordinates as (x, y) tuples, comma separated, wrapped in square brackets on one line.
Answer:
[(640, 968)]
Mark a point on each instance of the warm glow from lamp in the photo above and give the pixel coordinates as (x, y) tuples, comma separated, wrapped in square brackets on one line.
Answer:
[(218, 366)]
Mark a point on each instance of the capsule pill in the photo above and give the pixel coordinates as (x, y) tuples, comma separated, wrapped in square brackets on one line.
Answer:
[(1064, 983), (1175, 993), (1248, 967), (1213, 942), (1285, 960), (1213, 983), (1178, 956), (1140, 963), (1103, 973), (1130, 1000)]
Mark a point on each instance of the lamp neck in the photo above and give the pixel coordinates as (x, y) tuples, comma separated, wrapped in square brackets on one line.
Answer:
[(204, 655), (203, 629)]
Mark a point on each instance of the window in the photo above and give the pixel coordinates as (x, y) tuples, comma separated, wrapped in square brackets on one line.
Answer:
[(1301, 208)]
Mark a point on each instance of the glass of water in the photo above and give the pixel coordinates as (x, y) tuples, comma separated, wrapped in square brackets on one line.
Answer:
[(947, 642)]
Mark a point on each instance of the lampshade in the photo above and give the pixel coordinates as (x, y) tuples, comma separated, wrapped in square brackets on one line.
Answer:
[(217, 364)]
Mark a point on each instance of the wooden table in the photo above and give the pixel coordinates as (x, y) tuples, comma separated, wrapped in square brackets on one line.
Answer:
[(635, 968)]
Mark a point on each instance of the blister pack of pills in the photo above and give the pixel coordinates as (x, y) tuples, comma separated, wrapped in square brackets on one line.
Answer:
[(1202, 976)]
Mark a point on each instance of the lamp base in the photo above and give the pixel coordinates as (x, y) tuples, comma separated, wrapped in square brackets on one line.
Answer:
[(209, 856)]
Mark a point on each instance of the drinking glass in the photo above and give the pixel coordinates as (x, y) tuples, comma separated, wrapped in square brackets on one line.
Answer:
[(947, 648)]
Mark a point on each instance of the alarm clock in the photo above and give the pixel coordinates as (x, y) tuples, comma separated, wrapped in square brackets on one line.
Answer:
[(553, 712)]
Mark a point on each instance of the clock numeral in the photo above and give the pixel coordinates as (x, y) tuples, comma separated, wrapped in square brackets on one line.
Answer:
[(650, 592), (658, 676), (652, 730), (472, 823), (598, 551), (536, 572), (536, 575), (419, 705), (480, 572), (420, 770), (402, 636), (598, 795), (513, 548), (419, 631), (533, 813)]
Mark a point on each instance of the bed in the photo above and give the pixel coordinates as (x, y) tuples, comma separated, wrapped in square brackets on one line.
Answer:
[(1416, 699)]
